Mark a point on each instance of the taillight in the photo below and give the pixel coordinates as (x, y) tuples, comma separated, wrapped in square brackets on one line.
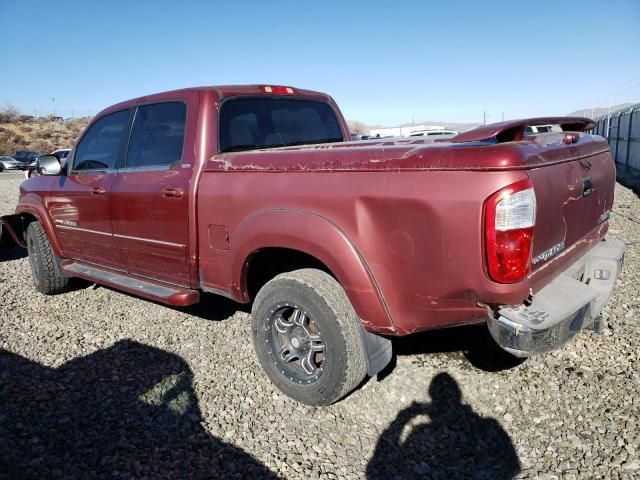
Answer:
[(510, 218), (277, 89)]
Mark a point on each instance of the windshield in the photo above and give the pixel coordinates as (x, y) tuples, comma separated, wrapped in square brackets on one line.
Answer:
[(254, 123)]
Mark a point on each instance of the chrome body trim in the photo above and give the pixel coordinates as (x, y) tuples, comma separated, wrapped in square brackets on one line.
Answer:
[(150, 240), (126, 237), (78, 229), (150, 168)]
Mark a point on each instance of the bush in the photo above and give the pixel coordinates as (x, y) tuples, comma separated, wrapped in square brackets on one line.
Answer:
[(8, 114)]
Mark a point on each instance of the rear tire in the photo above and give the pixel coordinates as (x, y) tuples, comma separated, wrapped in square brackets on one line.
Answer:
[(48, 278), (307, 337)]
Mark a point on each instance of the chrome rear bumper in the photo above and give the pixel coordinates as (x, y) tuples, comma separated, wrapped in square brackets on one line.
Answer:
[(571, 302)]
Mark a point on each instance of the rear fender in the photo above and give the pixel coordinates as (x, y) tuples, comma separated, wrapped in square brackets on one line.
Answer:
[(324, 240)]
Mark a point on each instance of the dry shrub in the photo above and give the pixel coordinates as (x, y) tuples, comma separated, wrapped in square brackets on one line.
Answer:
[(46, 134)]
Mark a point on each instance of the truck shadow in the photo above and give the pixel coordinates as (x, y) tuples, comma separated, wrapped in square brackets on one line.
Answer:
[(455, 443), (8, 253), (128, 411), (214, 307), (473, 342)]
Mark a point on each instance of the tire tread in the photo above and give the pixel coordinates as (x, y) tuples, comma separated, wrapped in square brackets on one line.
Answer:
[(51, 279)]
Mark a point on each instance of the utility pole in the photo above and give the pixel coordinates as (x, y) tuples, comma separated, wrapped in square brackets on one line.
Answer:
[(53, 100), (484, 117)]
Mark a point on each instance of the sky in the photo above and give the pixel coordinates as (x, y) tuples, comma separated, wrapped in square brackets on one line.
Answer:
[(385, 63)]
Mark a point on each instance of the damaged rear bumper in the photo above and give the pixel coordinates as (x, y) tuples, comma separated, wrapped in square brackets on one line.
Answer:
[(571, 302)]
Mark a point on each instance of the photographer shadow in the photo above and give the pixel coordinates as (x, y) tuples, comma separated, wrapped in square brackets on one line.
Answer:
[(128, 411), (455, 443)]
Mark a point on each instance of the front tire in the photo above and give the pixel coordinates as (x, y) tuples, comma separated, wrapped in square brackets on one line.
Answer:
[(48, 278), (307, 337)]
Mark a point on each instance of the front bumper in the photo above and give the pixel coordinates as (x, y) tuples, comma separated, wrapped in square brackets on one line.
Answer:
[(571, 302)]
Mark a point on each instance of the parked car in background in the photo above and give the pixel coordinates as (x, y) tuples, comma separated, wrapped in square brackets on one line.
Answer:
[(9, 163), (535, 129), (25, 157), (432, 133), (30, 170)]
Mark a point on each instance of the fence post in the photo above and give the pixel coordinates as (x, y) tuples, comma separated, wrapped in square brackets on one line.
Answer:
[(626, 160), (615, 127)]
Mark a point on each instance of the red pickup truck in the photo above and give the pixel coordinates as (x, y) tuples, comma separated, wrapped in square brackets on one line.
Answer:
[(257, 194)]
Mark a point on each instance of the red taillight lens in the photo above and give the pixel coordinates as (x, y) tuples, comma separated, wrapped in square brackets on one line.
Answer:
[(510, 216), (277, 89)]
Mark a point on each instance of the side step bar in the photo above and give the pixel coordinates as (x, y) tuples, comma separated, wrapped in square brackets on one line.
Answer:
[(156, 291)]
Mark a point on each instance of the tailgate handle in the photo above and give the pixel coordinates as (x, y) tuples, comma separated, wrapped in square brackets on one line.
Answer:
[(587, 187), (98, 191)]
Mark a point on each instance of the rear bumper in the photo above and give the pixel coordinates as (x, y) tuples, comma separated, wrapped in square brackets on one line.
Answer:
[(571, 302)]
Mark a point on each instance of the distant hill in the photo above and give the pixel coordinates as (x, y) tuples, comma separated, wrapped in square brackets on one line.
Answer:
[(599, 111), (46, 134)]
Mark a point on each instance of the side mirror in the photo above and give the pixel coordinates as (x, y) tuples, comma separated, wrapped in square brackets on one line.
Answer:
[(48, 165)]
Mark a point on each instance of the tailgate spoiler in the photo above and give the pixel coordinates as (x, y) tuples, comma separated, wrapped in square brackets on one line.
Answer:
[(513, 130)]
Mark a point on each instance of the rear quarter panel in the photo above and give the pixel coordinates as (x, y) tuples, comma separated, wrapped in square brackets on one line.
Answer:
[(419, 233)]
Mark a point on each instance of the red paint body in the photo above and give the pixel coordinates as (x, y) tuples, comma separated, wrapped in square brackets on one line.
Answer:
[(399, 223)]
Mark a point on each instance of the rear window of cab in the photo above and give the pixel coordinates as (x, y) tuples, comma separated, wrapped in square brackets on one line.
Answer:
[(256, 123)]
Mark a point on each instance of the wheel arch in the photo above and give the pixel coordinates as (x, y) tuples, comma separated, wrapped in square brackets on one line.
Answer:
[(322, 244), (29, 212)]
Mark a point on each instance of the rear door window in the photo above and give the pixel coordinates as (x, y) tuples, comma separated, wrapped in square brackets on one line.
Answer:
[(254, 123), (157, 136), (99, 147)]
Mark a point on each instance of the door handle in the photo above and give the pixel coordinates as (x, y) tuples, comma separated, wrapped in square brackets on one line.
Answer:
[(98, 191), (172, 193)]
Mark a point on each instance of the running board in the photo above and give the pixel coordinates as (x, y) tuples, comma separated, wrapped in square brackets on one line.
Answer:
[(163, 293)]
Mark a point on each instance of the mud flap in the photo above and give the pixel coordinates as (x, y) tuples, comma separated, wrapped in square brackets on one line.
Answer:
[(378, 350)]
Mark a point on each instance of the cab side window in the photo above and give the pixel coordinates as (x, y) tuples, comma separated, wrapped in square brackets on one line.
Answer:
[(158, 135), (98, 149)]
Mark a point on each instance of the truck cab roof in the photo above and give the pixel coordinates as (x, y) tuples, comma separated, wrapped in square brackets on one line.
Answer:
[(222, 92)]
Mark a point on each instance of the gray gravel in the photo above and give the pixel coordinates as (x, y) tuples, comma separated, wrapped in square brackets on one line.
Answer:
[(95, 383)]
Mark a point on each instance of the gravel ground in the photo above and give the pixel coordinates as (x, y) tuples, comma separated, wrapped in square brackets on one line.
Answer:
[(95, 384)]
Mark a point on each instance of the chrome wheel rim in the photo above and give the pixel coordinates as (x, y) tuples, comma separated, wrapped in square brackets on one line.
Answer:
[(295, 343)]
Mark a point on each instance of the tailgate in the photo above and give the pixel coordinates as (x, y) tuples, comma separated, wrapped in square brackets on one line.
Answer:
[(574, 198)]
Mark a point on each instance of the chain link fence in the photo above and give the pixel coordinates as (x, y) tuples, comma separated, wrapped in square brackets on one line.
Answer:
[(622, 129)]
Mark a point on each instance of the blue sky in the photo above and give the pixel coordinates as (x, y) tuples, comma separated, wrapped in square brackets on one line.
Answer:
[(383, 62)]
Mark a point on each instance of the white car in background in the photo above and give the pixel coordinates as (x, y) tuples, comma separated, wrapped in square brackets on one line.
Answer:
[(62, 155), (542, 129), (10, 163), (432, 133)]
